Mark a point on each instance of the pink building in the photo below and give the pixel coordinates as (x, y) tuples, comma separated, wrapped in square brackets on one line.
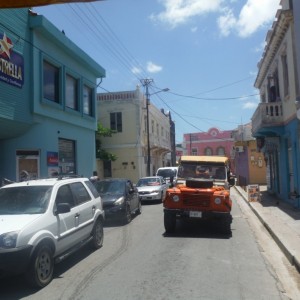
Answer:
[(212, 142)]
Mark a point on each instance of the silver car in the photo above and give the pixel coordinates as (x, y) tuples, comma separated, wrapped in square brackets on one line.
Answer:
[(152, 188)]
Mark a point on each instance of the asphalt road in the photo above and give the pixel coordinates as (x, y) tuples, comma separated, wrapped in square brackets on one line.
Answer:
[(138, 261)]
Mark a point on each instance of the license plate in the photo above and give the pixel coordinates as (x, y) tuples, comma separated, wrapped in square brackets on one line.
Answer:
[(195, 214)]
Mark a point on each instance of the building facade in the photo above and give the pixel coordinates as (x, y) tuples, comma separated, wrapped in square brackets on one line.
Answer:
[(249, 164), (275, 123), (47, 100), (212, 142), (125, 112)]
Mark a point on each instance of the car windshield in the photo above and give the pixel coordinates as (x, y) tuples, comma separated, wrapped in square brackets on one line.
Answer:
[(110, 187), (148, 182), (24, 200), (202, 171), (166, 173)]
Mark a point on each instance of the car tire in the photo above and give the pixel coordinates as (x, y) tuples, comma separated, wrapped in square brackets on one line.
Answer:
[(127, 215), (40, 271), (139, 209), (169, 222), (97, 235)]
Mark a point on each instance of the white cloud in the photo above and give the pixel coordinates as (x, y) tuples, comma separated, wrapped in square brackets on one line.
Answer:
[(226, 22), (179, 12), (153, 68), (249, 105), (136, 70), (254, 15)]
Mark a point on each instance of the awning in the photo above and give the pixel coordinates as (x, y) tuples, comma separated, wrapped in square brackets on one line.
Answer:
[(30, 3)]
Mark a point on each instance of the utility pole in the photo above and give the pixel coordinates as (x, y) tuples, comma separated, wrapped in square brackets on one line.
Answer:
[(146, 83)]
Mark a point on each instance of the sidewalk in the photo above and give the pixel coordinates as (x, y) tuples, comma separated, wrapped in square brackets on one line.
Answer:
[(281, 220)]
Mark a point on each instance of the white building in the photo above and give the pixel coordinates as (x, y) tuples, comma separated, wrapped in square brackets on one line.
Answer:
[(126, 113)]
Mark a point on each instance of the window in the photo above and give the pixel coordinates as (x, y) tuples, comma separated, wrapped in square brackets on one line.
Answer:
[(285, 75), (92, 188), (116, 121), (107, 168), (152, 126), (66, 154), (194, 151), (87, 101), (71, 92), (80, 192), (50, 82), (64, 195), (221, 151), (208, 151)]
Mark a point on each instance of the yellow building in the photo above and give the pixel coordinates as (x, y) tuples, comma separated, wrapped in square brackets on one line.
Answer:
[(126, 113)]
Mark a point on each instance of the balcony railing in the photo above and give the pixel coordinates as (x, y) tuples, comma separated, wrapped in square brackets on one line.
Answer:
[(267, 115)]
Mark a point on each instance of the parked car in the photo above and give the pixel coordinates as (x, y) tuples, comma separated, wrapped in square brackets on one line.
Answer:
[(44, 221), (152, 188), (168, 173), (120, 198)]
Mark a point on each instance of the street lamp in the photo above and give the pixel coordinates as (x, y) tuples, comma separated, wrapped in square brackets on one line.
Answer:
[(146, 82)]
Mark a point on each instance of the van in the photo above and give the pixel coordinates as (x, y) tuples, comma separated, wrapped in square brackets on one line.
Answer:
[(167, 173)]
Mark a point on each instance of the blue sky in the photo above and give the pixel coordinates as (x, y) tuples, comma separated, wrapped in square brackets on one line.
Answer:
[(205, 51)]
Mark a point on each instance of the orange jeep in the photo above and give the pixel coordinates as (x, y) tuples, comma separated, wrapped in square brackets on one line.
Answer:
[(201, 191)]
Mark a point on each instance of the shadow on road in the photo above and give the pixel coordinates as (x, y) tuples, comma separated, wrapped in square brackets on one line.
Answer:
[(197, 229), (16, 287)]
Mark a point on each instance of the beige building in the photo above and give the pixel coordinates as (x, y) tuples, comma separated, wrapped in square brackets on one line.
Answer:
[(126, 113)]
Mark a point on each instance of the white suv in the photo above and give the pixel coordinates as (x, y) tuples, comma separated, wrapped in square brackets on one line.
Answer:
[(43, 221)]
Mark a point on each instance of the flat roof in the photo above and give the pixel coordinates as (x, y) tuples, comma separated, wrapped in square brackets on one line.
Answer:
[(208, 159)]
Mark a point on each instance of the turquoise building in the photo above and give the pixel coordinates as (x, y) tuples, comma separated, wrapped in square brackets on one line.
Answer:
[(47, 100)]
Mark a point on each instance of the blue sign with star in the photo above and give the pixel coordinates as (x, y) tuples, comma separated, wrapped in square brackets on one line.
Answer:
[(11, 63)]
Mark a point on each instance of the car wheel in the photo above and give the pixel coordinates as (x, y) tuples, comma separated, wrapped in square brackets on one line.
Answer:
[(169, 222), (139, 210), (40, 271), (98, 235), (127, 216)]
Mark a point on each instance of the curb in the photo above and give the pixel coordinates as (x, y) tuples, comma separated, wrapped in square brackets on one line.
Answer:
[(287, 252)]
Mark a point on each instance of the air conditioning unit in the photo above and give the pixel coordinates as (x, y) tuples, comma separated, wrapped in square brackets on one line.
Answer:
[(239, 149)]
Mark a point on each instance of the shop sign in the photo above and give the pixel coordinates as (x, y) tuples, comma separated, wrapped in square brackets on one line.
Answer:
[(11, 63), (52, 159)]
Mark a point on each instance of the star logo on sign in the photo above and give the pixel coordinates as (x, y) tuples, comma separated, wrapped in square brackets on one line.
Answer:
[(5, 45)]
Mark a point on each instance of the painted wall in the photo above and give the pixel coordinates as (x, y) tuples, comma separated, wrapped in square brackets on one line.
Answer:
[(27, 121)]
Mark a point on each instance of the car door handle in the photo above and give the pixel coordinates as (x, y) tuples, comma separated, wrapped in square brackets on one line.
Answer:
[(77, 215)]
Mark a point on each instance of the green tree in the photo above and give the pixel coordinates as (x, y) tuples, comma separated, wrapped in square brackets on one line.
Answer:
[(101, 153)]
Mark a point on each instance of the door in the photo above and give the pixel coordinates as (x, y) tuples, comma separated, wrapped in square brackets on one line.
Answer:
[(67, 223), (28, 164), (85, 207), (291, 170)]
